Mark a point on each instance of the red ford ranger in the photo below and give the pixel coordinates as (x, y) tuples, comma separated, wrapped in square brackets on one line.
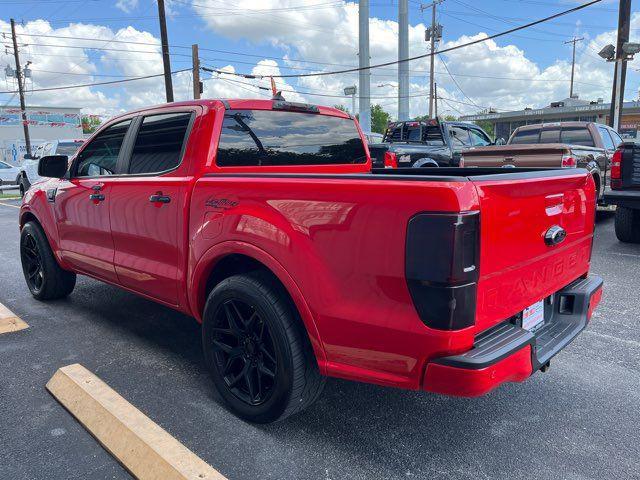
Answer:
[(264, 220)]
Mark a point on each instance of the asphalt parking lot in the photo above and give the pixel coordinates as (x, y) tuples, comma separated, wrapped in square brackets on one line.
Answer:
[(580, 420)]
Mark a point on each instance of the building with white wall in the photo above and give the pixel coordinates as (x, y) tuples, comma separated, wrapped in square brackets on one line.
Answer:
[(45, 124)]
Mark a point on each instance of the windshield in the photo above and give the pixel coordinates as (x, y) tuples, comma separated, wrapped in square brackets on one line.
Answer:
[(271, 137)]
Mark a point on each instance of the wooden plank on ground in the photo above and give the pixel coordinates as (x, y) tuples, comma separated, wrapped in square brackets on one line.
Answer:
[(143, 447), (9, 321)]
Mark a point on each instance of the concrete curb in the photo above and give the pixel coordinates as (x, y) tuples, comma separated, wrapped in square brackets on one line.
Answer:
[(141, 446)]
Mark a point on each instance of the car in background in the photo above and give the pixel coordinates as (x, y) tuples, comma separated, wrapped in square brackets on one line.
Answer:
[(29, 169), (587, 145), (426, 143), (9, 174), (625, 192)]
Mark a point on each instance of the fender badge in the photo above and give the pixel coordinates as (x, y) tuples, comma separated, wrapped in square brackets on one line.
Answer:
[(555, 235)]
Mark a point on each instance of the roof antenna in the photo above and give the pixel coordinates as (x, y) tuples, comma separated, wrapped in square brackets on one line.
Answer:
[(276, 94)]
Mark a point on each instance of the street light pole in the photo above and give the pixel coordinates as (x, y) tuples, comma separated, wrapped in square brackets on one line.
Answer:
[(365, 74), (617, 96)]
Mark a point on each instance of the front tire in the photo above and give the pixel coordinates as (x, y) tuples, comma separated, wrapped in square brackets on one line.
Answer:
[(627, 224), (45, 278), (259, 356)]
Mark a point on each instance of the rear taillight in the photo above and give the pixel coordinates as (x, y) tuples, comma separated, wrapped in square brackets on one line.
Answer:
[(390, 160), (568, 161), (616, 169), (442, 269)]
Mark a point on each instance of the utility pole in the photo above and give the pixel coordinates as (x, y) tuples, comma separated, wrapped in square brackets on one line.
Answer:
[(19, 76), (573, 61), (166, 61), (195, 68), (432, 34), (435, 98), (403, 53), (619, 77), (364, 74)]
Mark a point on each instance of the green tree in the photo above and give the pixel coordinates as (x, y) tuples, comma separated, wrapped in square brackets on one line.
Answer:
[(446, 118), (487, 126), (341, 107), (379, 119)]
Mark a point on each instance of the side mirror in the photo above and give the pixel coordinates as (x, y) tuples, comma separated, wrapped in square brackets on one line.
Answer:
[(500, 141), (54, 166), (28, 156)]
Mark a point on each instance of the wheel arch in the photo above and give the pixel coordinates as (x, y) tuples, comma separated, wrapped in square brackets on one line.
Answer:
[(231, 258)]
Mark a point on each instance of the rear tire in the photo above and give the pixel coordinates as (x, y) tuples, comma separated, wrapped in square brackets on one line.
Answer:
[(627, 225), (45, 278), (257, 351)]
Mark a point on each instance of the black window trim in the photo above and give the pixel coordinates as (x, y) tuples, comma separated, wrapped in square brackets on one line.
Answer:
[(129, 142), (73, 171)]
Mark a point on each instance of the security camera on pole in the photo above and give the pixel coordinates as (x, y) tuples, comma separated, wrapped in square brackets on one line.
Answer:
[(620, 54)]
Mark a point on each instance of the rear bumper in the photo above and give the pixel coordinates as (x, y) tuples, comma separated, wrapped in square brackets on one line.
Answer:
[(508, 353), (623, 198)]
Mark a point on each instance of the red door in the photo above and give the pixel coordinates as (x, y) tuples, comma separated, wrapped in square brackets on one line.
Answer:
[(147, 207), (82, 204), (82, 213)]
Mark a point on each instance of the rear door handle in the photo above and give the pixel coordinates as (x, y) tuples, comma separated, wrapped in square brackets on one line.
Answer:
[(96, 197), (159, 198)]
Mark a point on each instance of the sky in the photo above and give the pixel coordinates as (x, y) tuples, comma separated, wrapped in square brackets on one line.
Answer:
[(116, 40)]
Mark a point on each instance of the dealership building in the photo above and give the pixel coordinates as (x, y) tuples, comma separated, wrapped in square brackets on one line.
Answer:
[(45, 124), (570, 109)]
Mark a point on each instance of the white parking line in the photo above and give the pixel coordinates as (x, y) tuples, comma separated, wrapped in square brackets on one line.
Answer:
[(9, 205)]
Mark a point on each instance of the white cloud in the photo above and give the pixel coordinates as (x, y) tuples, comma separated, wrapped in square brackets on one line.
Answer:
[(127, 6), (492, 73)]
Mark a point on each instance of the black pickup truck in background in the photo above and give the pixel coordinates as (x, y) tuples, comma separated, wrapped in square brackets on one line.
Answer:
[(429, 143), (625, 191)]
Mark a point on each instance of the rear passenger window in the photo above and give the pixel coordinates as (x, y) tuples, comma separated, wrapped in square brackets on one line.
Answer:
[(158, 146), (576, 136), (526, 136), (100, 156), (606, 138), (550, 135), (459, 137)]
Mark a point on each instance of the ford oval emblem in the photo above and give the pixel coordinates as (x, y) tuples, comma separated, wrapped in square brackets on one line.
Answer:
[(555, 235)]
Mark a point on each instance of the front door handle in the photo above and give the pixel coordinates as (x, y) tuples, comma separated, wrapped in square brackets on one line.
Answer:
[(96, 197), (159, 198)]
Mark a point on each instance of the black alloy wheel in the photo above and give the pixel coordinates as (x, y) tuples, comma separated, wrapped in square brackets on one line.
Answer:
[(44, 276), (244, 351), (32, 263), (257, 350)]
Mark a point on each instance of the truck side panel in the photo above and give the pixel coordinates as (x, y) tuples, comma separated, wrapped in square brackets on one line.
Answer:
[(343, 242)]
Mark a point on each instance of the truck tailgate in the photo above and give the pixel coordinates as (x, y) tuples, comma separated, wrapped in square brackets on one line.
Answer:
[(529, 155), (517, 266)]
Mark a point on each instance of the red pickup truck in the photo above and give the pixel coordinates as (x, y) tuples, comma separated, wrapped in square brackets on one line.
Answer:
[(264, 221)]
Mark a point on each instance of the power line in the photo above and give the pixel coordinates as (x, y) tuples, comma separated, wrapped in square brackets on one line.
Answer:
[(294, 60), (456, 82), (450, 49), (112, 82)]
